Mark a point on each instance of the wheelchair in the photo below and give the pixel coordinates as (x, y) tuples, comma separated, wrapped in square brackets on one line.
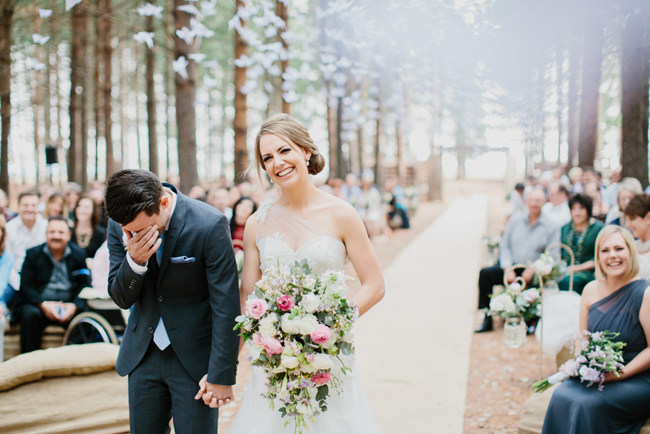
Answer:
[(104, 321)]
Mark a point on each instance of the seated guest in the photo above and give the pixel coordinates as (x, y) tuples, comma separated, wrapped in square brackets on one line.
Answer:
[(219, 198), (557, 208), (72, 193), (599, 209), (368, 204), (24, 232), (53, 275), (516, 203), (525, 238), (197, 192), (397, 216), (627, 189), (580, 235), (55, 206), (87, 232), (243, 209), (619, 302), (637, 214), (6, 264), (4, 207)]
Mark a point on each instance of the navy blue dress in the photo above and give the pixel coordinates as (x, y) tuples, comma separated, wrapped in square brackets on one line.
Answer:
[(623, 406)]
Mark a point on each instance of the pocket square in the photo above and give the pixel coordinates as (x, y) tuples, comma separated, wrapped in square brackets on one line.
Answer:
[(182, 260)]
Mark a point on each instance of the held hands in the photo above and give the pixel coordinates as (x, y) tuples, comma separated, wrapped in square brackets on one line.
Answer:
[(143, 244), (57, 311), (214, 395), (527, 275)]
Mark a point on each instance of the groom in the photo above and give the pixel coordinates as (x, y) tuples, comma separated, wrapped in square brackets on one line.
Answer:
[(172, 264)]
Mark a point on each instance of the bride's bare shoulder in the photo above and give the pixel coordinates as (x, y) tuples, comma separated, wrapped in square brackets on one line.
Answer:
[(337, 207)]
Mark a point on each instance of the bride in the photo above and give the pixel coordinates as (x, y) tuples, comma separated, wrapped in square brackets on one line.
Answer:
[(305, 223)]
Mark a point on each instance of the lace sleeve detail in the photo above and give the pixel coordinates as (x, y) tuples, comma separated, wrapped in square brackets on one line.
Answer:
[(260, 214)]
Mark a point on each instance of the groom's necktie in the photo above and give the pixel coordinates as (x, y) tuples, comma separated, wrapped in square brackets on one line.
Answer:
[(160, 336)]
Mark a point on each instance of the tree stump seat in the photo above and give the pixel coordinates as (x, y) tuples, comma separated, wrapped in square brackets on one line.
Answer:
[(52, 337)]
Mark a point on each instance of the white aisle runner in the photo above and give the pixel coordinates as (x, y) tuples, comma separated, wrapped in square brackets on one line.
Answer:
[(413, 348)]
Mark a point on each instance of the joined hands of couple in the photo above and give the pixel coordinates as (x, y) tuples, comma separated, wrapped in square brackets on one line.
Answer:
[(214, 395)]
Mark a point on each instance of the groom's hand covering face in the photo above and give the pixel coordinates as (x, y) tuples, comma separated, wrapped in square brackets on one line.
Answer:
[(143, 244)]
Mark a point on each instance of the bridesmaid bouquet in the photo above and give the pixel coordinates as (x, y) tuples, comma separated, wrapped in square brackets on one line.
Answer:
[(296, 325), (596, 355), (514, 302), (549, 267)]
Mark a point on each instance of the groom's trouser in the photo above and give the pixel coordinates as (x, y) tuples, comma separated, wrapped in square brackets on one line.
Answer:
[(159, 388), (488, 278)]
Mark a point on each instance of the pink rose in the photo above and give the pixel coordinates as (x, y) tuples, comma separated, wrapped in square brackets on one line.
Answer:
[(257, 338), (256, 307), (321, 378), (286, 303), (272, 346), (321, 334)]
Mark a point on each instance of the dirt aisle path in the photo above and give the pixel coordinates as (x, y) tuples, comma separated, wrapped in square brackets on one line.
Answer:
[(413, 349)]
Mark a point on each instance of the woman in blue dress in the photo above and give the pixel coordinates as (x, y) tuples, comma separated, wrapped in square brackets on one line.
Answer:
[(616, 301)]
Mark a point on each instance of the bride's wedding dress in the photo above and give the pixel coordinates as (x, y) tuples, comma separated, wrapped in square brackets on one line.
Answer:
[(284, 238)]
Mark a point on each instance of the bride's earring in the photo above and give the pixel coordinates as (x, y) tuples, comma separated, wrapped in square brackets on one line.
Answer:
[(307, 161)]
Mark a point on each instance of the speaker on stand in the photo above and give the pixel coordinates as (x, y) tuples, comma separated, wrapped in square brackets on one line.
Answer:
[(50, 159)]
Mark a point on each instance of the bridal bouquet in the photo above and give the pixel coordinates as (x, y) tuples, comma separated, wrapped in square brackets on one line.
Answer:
[(295, 326), (514, 302), (549, 267), (596, 355)]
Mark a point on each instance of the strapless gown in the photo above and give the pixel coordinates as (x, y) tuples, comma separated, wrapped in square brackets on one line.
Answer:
[(279, 234)]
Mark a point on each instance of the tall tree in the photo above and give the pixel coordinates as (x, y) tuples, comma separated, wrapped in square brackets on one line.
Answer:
[(559, 62), (107, 32), (591, 77), (97, 87), (37, 101), (635, 77), (240, 123), (282, 11), (572, 122), (85, 97), (6, 25), (151, 100), (77, 72)]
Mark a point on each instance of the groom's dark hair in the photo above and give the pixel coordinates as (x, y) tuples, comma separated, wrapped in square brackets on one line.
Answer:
[(131, 191)]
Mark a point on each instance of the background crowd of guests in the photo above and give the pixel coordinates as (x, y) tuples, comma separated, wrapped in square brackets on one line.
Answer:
[(51, 243), (571, 209)]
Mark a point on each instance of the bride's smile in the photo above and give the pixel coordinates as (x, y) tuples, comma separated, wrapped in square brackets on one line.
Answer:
[(283, 160)]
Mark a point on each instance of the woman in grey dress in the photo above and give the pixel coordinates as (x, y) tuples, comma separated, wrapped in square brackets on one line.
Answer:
[(618, 302)]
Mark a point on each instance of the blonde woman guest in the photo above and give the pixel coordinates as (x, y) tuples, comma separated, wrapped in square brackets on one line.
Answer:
[(637, 214), (618, 301), (627, 189), (55, 206)]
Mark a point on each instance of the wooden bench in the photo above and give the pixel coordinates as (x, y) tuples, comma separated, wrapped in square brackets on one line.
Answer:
[(52, 337)]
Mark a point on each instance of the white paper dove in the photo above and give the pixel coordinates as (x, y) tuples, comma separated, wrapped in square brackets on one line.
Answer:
[(186, 34), (190, 9), (40, 39), (200, 30), (150, 10), (209, 82), (69, 4), (197, 57), (145, 37), (247, 88), (243, 62), (44, 13), (208, 8), (180, 66), (34, 64)]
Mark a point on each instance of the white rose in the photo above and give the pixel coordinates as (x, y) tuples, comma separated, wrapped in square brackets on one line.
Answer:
[(289, 326), (330, 343), (280, 369), (307, 368), (349, 336), (307, 324), (322, 362), (270, 319), (310, 302), (290, 362), (267, 330), (309, 282), (254, 350)]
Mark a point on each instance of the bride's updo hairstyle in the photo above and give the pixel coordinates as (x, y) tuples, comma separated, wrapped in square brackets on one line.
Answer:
[(290, 129)]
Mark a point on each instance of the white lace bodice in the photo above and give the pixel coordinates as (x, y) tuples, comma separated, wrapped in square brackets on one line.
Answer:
[(285, 238)]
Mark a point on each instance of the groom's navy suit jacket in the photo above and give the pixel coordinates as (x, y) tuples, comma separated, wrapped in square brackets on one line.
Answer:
[(195, 290)]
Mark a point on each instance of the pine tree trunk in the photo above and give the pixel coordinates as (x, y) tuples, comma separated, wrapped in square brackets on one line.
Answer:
[(572, 121), (635, 76), (136, 101), (341, 164), (378, 133), (240, 123), (6, 25), (591, 76), (47, 93), (97, 87), (54, 22), (85, 100), (123, 100), (282, 11), (107, 29), (400, 149), (151, 102), (559, 60), (169, 78), (76, 81), (36, 102)]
